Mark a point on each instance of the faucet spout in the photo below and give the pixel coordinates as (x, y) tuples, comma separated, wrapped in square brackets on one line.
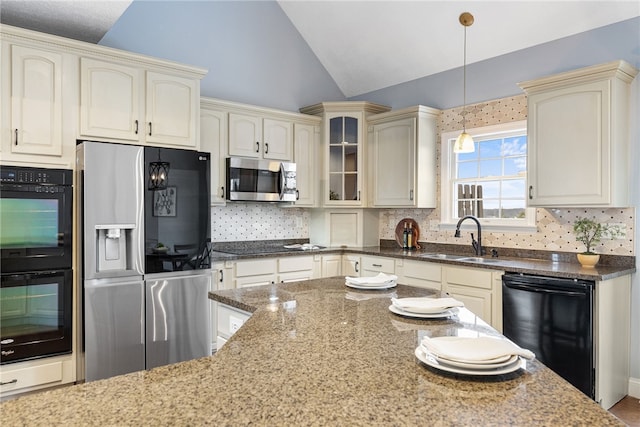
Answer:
[(477, 245)]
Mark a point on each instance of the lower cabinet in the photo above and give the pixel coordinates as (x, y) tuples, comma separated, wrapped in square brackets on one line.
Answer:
[(332, 266), (255, 272), (293, 269), (22, 377), (351, 265), (229, 320), (373, 265), (480, 290), (420, 274)]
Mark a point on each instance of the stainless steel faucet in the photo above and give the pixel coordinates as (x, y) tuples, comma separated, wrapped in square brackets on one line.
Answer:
[(477, 245)]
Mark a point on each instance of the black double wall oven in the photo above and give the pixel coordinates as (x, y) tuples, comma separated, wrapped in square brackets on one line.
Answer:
[(36, 263)]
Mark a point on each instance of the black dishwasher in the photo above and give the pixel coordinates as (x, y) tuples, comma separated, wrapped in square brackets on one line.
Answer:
[(553, 317)]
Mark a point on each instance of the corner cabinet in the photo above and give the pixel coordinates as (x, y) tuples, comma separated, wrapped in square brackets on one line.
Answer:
[(124, 101), (344, 150), (213, 139), (582, 115), (402, 146)]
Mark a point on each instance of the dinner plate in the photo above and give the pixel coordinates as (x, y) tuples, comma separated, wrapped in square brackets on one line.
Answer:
[(425, 309), (498, 359), (432, 362), (387, 285), (471, 365), (446, 313)]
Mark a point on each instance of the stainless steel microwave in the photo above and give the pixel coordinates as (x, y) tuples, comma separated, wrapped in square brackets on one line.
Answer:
[(261, 180)]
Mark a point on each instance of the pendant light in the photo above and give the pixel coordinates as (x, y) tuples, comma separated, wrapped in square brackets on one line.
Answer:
[(464, 142), (158, 174)]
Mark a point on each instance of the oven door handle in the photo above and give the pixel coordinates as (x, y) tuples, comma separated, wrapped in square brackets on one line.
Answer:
[(283, 177), (541, 290)]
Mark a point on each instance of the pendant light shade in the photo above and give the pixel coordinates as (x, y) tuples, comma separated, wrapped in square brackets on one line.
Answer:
[(464, 143)]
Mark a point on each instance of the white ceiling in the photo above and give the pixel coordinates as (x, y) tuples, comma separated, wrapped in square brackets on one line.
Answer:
[(369, 45)]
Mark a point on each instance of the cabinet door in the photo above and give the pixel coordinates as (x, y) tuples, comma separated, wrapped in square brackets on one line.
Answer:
[(277, 140), (172, 110), (372, 266), (110, 100), (331, 265), (569, 143), (344, 159), (36, 101), (478, 301), (394, 145), (421, 274), (213, 139), (351, 265), (305, 157), (245, 135)]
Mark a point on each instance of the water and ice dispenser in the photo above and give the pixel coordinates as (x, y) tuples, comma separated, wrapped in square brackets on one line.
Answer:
[(113, 247)]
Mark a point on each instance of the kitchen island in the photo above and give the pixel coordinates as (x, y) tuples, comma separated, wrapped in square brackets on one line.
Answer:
[(318, 353)]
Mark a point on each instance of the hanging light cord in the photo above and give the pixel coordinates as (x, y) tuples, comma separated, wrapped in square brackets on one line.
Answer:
[(464, 83)]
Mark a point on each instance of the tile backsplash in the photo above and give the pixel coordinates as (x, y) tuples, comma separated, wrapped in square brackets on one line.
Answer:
[(266, 221)]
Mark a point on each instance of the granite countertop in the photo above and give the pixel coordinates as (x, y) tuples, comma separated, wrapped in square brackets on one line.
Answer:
[(317, 353), (563, 265)]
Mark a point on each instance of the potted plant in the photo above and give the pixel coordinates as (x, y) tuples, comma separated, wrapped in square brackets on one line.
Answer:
[(589, 232)]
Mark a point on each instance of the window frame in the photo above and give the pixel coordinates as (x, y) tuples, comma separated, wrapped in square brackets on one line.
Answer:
[(447, 166)]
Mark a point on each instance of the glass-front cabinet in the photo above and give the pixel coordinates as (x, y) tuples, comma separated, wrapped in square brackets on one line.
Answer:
[(344, 150), (345, 160)]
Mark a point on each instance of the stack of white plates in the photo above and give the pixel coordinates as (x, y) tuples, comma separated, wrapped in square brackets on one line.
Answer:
[(380, 281), (425, 307), (472, 356)]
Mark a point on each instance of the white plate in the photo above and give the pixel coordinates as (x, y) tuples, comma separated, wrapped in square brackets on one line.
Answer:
[(446, 313), (498, 359), (470, 365), (432, 362), (387, 285)]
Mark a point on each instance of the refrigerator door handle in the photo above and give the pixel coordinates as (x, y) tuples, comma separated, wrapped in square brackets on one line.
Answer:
[(139, 231)]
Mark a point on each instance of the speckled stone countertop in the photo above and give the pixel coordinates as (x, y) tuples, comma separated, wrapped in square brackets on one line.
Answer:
[(543, 263), (317, 353)]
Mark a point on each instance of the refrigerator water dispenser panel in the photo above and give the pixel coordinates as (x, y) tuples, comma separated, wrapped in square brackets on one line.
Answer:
[(113, 247)]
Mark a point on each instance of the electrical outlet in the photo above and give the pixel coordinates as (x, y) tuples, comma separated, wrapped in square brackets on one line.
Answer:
[(234, 324), (622, 228)]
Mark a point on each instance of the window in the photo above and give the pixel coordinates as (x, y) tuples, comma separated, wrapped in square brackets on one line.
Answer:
[(489, 183)]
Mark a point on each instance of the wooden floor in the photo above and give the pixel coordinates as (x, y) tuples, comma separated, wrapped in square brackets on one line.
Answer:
[(628, 410)]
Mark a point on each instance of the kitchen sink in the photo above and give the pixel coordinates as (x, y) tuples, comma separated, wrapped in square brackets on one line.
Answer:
[(444, 256), (477, 259)]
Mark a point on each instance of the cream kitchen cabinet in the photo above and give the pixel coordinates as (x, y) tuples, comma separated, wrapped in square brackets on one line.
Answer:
[(213, 139), (578, 135), (479, 289), (373, 265), (344, 150), (351, 265), (305, 156), (402, 147), (258, 137), (267, 271), (419, 273), (331, 265), (293, 269), (37, 105), (142, 105), (23, 377)]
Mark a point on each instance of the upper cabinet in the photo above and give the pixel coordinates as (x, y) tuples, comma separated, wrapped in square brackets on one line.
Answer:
[(127, 102), (305, 156), (213, 139), (259, 137), (344, 150), (578, 135), (402, 147)]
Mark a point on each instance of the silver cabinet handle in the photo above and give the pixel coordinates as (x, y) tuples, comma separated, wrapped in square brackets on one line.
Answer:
[(357, 266), (13, 381), (410, 194), (266, 148)]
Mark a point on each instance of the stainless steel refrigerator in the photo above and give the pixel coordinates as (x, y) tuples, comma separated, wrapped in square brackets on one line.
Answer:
[(144, 235)]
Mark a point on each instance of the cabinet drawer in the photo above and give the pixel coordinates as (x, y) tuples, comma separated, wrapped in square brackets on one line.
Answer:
[(230, 320), (423, 270), (295, 263), (473, 277), (31, 376), (385, 265), (256, 267)]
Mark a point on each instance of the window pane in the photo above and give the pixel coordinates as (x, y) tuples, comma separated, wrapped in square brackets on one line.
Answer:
[(468, 170), (515, 145), (513, 188), (467, 156), (335, 187), (350, 158), (515, 165), (350, 187), (490, 209), (491, 148), (491, 189), (490, 168), (513, 209)]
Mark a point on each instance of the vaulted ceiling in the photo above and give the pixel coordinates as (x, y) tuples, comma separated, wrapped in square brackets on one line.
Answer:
[(368, 45)]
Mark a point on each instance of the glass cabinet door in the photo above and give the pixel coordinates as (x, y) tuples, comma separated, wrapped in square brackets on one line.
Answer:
[(344, 152)]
